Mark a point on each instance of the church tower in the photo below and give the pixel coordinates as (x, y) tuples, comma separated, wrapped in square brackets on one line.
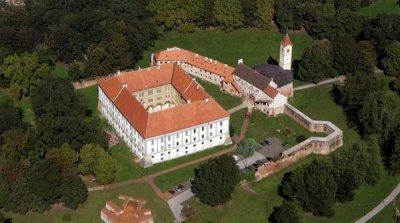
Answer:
[(285, 60)]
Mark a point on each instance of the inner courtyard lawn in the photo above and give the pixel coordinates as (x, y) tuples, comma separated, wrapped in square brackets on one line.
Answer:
[(252, 45), (90, 211), (282, 127), (390, 7), (226, 100)]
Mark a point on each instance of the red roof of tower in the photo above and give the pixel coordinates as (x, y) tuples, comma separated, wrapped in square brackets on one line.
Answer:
[(286, 40)]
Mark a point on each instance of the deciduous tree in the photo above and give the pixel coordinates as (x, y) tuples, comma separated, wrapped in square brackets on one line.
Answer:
[(228, 14), (391, 61), (215, 180), (287, 212)]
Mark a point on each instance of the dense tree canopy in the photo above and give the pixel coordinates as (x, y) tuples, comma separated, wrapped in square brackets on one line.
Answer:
[(215, 180), (287, 212), (391, 60), (228, 14), (23, 72), (316, 63)]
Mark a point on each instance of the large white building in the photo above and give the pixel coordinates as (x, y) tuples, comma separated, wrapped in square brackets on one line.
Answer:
[(162, 113)]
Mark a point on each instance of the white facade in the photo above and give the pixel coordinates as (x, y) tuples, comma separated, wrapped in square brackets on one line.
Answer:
[(285, 59), (167, 146), (263, 101)]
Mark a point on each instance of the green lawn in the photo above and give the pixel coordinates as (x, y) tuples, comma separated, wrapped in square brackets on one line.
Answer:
[(167, 181), (90, 95), (236, 120), (61, 70), (282, 127), (386, 215), (248, 207), (297, 83), (252, 45), (90, 211), (226, 100), (390, 7), (128, 169)]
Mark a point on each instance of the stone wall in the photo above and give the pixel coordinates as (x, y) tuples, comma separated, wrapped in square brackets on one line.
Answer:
[(316, 145)]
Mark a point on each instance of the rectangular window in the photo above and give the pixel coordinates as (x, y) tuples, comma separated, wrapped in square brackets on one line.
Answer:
[(152, 142), (169, 138), (158, 98), (202, 128), (211, 126), (194, 130), (150, 92), (220, 131), (150, 100), (141, 95), (159, 90), (220, 124)]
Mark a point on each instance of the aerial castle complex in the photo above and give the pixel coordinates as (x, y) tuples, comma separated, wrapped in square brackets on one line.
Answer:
[(162, 113)]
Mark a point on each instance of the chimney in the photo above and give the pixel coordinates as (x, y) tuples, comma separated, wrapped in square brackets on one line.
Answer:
[(140, 69), (148, 69), (240, 61), (158, 67), (197, 55), (210, 60), (118, 72), (216, 61), (189, 101), (197, 87), (206, 100), (193, 79), (206, 58), (225, 66), (124, 86)]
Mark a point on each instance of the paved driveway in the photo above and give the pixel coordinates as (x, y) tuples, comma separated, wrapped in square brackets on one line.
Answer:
[(175, 203), (273, 150)]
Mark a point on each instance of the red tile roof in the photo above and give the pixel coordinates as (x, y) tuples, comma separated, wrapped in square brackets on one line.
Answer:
[(286, 40), (270, 91), (130, 212), (119, 89), (177, 54)]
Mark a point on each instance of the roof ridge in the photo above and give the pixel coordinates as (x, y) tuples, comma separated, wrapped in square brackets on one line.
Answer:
[(120, 91)]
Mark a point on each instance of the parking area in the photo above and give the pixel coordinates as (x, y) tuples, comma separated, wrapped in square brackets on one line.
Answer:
[(273, 150)]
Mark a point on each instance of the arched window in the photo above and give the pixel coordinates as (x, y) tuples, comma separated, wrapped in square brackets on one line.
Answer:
[(287, 51)]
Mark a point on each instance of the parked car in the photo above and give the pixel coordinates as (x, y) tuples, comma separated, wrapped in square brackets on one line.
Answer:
[(255, 165), (285, 144), (267, 142), (236, 158), (269, 159), (248, 114), (262, 161), (172, 192), (262, 143), (178, 188)]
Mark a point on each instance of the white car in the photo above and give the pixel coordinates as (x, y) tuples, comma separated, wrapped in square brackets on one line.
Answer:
[(236, 158)]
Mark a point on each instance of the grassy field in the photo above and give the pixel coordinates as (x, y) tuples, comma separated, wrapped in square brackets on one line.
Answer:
[(90, 211), (246, 206), (167, 181), (282, 127), (128, 169), (90, 95), (226, 100), (386, 215), (249, 207), (390, 7), (252, 45), (236, 120), (61, 70)]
